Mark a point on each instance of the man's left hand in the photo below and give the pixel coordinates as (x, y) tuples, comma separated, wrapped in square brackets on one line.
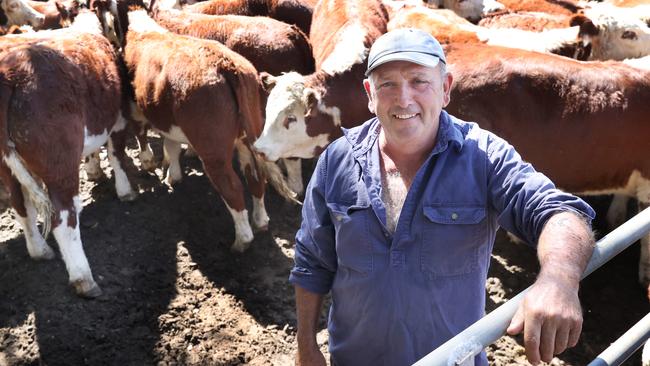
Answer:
[(551, 318)]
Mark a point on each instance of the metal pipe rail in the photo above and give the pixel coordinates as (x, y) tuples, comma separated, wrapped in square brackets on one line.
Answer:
[(471, 341), (626, 345)]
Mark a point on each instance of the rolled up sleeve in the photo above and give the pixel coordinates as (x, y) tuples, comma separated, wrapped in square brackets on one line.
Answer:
[(524, 198), (315, 253)]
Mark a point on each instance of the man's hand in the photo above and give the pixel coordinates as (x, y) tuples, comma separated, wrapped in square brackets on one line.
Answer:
[(311, 356), (550, 314), (551, 318)]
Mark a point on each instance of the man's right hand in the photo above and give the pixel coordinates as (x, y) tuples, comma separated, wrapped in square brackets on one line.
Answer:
[(310, 357)]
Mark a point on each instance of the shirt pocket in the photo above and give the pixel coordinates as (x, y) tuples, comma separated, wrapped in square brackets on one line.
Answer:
[(353, 247), (451, 238)]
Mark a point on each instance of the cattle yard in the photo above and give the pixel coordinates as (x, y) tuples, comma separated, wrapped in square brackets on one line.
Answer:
[(182, 276), (174, 293)]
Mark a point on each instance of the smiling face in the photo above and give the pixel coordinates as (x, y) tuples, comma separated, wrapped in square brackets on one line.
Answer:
[(407, 99)]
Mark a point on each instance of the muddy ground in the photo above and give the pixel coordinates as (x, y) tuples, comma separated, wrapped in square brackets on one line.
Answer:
[(174, 293)]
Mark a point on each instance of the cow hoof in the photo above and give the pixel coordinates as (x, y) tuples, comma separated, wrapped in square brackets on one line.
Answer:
[(87, 289), (131, 196)]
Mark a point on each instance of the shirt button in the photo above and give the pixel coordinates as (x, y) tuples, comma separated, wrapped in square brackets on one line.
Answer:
[(454, 216)]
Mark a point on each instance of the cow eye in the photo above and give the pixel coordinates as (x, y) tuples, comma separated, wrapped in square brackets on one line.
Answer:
[(629, 35), (289, 120)]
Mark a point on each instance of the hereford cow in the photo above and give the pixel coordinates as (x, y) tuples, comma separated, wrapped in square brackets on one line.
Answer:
[(526, 20), (296, 12), (546, 104), (44, 134), (564, 7), (201, 93), (270, 45), (20, 12), (305, 113)]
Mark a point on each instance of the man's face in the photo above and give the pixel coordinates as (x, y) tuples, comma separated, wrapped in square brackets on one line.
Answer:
[(408, 98)]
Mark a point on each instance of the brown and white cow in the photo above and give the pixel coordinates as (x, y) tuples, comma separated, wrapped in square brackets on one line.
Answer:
[(43, 135), (305, 113), (20, 12), (296, 12), (582, 124), (526, 20), (198, 92), (40, 15)]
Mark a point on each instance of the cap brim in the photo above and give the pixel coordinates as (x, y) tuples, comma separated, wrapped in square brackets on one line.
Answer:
[(415, 57)]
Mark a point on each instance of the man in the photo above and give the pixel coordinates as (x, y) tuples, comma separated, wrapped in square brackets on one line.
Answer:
[(400, 217)]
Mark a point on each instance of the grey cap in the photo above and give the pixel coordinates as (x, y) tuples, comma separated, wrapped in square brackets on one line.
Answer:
[(405, 44)]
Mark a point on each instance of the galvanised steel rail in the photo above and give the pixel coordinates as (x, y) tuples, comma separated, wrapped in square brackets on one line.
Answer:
[(626, 345), (461, 349)]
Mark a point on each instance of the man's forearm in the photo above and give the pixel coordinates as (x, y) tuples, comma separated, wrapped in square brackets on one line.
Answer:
[(308, 309), (565, 247)]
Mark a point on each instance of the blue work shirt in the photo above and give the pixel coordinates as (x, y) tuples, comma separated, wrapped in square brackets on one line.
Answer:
[(396, 297)]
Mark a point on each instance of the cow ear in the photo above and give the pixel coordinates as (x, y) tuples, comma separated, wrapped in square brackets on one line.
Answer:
[(587, 27), (268, 81), (311, 101)]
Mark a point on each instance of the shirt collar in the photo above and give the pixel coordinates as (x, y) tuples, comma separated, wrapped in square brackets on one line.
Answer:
[(363, 137)]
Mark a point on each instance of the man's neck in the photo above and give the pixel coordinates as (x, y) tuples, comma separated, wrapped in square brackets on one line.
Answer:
[(403, 158)]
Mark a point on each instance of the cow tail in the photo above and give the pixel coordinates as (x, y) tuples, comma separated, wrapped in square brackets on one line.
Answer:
[(10, 156), (247, 89)]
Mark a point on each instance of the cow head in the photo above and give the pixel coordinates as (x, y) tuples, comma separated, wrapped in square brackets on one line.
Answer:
[(19, 13), (613, 37), (293, 109), (106, 11), (68, 11)]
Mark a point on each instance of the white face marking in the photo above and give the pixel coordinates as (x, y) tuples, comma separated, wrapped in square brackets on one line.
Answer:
[(621, 35), (285, 129), (243, 231), (545, 41), (468, 9), (93, 142), (348, 52), (87, 22), (19, 12)]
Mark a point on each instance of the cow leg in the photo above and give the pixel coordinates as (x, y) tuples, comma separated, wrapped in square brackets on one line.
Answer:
[(256, 185), (92, 167), (146, 156), (617, 212), (65, 220), (227, 183), (172, 153), (294, 174), (36, 245), (117, 158)]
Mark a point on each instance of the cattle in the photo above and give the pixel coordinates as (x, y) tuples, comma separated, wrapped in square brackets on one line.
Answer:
[(198, 92), (472, 10), (44, 134), (20, 12), (526, 20), (305, 113), (590, 141), (562, 7), (296, 12), (40, 15), (270, 45)]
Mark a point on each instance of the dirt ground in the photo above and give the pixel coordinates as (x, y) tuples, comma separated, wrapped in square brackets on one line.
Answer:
[(174, 294)]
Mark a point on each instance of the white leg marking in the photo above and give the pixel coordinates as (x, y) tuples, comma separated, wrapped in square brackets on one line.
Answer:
[(92, 167), (260, 217), (243, 231), (617, 211), (69, 239), (172, 151), (36, 245), (122, 185), (294, 175)]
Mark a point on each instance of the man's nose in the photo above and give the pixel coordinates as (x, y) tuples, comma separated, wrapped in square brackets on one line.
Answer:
[(404, 96)]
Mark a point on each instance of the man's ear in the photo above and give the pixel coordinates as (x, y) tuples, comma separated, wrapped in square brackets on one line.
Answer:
[(447, 82), (367, 86)]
